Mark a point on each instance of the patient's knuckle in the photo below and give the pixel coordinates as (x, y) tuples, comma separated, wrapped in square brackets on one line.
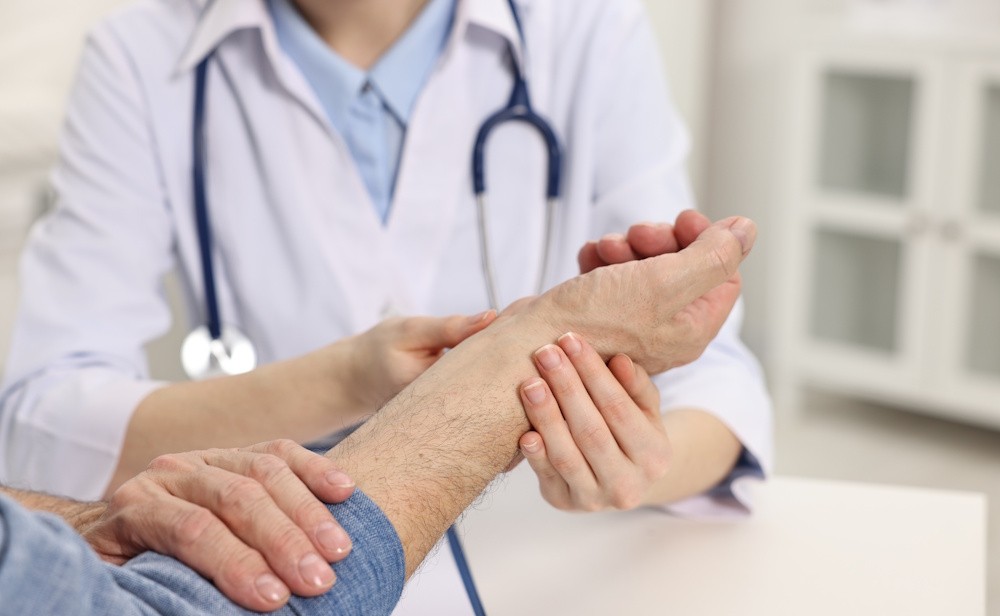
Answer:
[(192, 526), (287, 540), (240, 493), (267, 468), (170, 462)]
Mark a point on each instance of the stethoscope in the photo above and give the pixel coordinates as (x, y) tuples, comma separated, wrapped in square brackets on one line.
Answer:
[(214, 349)]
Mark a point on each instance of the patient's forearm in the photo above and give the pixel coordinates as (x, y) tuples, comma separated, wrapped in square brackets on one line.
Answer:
[(79, 515), (430, 452), (433, 449)]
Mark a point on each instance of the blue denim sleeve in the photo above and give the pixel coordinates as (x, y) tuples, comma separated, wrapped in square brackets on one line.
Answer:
[(46, 568)]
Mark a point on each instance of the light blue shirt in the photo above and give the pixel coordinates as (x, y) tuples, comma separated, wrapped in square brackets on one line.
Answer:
[(370, 110)]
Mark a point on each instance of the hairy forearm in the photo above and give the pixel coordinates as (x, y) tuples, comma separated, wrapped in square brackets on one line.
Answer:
[(433, 449), (300, 399), (704, 452), (79, 515)]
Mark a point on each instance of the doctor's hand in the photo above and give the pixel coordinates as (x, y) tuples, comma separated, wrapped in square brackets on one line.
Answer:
[(599, 441), (251, 520), (662, 311), (391, 355), (642, 241)]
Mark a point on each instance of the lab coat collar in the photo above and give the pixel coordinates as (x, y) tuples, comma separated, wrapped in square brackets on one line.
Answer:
[(495, 16), (218, 20), (221, 18)]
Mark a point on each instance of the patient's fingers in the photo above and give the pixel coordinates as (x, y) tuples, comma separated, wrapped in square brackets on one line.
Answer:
[(711, 260)]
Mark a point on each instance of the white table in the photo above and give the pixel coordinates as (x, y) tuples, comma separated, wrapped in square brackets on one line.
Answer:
[(811, 548)]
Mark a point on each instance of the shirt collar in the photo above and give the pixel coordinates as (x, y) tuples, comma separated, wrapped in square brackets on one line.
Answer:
[(334, 80), (221, 18)]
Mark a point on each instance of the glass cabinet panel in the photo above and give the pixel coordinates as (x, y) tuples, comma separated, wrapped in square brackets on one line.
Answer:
[(856, 287), (866, 133), (989, 184), (983, 335)]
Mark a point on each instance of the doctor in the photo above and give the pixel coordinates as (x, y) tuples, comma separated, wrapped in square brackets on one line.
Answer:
[(337, 139)]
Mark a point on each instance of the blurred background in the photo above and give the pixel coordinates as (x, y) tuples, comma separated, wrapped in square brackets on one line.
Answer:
[(862, 135)]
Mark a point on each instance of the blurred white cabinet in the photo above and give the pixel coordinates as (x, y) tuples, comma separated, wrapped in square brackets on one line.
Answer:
[(892, 280)]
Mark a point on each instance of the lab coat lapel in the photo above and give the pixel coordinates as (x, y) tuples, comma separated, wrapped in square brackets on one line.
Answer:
[(434, 179), (320, 202)]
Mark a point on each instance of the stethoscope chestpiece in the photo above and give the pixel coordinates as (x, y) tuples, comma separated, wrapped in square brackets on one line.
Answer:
[(203, 356)]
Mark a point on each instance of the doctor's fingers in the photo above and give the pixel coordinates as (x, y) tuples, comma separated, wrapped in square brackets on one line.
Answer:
[(437, 333), (566, 480), (250, 513), (619, 431), (572, 427)]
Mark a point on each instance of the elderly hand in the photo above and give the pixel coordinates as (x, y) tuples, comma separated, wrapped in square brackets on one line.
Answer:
[(598, 441), (251, 520), (391, 355), (677, 302)]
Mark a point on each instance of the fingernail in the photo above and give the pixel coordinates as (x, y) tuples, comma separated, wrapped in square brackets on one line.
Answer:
[(613, 237), (479, 318), (531, 446), (548, 357), (338, 479), (316, 571), (631, 364), (271, 588), (535, 393), (570, 343), (745, 231), (333, 538)]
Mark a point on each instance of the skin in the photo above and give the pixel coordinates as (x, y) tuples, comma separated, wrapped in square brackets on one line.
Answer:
[(240, 410), (360, 30), (252, 520), (617, 451), (467, 407), (329, 388)]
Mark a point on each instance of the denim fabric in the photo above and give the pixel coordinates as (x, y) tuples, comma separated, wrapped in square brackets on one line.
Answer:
[(46, 568)]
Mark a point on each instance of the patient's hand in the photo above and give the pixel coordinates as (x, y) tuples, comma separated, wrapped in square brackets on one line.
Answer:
[(662, 311), (598, 441), (251, 520)]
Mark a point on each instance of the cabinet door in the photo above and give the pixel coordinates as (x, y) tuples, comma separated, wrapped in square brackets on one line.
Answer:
[(866, 184), (969, 284)]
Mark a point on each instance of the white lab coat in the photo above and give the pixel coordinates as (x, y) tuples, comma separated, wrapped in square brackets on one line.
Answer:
[(301, 257)]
